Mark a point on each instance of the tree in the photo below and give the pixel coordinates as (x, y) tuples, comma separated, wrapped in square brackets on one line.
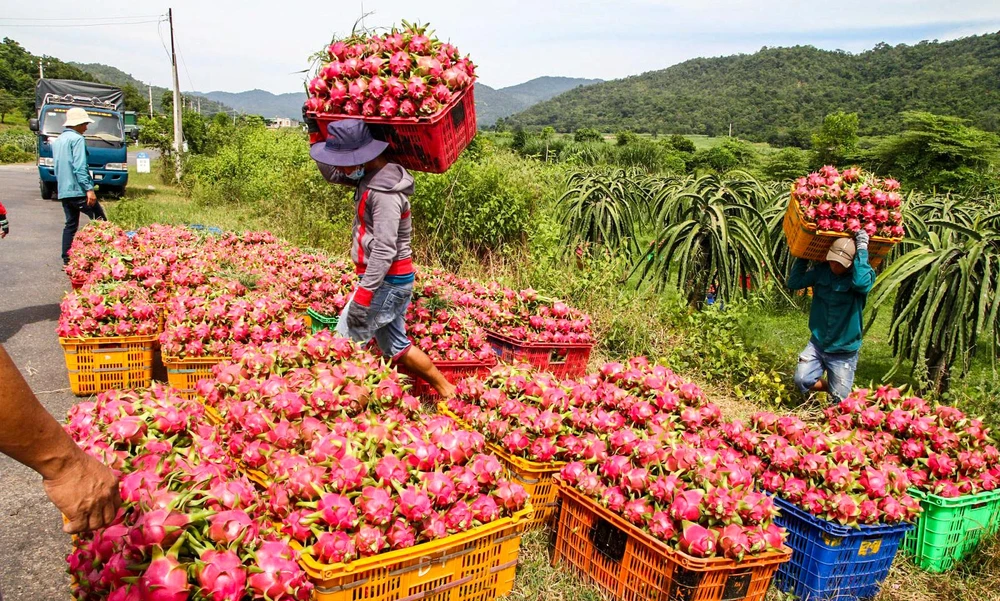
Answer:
[(837, 138), (626, 136), (8, 103), (134, 100), (587, 134), (682, 144), (787, 164), (520, 139), (940, 152)]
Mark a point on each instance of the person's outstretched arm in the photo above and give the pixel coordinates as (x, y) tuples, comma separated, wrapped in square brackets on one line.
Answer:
[(864, 275), (85, 490), (801, 276)]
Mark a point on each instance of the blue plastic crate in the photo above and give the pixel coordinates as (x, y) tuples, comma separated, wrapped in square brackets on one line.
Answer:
[(831, 562)]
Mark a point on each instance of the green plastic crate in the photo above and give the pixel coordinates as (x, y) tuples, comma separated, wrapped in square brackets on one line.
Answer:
[(322, 322), (949, 529)]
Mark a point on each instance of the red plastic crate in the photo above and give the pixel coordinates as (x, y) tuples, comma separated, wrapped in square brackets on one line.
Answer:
[(563, 360), (430, 144), (452, 370)]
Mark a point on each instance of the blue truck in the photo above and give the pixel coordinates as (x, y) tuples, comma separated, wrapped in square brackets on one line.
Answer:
[(107, 151)]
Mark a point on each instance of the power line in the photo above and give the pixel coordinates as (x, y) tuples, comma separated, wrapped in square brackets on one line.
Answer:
[(186, 72), (109, 18), (114, 23)]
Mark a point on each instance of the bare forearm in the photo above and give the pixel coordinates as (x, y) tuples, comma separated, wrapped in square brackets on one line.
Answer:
[(28, 433)]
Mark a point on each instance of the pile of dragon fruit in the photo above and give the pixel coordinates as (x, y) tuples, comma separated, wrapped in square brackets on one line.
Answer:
[(942, 450), (191, 526), (108, 309), (216, 293), (352, 468), (849, 201), (405, 73)]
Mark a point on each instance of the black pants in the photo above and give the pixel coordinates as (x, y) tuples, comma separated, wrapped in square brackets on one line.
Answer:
[(72, 207)]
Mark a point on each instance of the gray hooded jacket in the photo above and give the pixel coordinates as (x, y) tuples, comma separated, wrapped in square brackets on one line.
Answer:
[(380, 244)]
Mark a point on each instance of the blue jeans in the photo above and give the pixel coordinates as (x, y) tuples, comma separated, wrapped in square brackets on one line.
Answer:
[(386, 320), (72, 207), (839, 368)]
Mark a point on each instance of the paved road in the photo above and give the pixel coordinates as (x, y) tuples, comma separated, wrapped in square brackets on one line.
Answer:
[(32, 545)]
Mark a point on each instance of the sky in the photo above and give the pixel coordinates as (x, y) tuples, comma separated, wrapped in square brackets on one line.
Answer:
[(236, 46)]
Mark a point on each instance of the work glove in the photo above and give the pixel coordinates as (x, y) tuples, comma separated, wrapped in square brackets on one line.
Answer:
[(861, 240), (4, 226), (357, 317)]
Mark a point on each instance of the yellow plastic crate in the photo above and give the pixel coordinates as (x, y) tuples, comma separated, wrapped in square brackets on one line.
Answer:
[(183, 374), (535, 477), (477, 565), (98, 364)]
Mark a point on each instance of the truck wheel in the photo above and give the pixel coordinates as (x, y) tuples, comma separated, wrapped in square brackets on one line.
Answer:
[(47, 190)]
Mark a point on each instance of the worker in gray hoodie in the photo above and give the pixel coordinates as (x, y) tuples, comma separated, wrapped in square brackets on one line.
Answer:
[(380, 245)]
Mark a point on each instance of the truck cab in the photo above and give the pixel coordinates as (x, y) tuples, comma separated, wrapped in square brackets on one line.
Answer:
[(107, 152), (132, 125)]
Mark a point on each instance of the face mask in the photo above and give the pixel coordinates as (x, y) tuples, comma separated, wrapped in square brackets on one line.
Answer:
[(356, 175)]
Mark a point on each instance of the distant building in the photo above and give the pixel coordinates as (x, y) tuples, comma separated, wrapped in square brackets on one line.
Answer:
[(278, 122)]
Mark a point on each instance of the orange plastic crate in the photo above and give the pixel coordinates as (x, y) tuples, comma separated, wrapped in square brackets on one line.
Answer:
[(630, 565), (453, 371), (99, 364), (183, 374), (477, 565), (805, 243), (535, 477)]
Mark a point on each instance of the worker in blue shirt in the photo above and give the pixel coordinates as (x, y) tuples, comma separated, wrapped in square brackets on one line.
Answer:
[(76, 188), (840, 289)]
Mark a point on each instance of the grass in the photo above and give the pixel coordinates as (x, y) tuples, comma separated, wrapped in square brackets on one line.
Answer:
[(780, 330)]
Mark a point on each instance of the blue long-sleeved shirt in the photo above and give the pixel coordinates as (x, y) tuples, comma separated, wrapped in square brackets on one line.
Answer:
[(836, 317), (69, 154)]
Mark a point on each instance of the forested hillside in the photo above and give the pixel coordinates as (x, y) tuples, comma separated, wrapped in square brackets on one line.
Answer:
[(780, 94)]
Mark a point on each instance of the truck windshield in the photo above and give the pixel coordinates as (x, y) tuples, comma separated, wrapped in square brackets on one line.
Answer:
[(106, 127)]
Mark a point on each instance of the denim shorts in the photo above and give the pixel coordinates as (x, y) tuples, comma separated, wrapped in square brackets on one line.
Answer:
[(839, 368), (386, 320)]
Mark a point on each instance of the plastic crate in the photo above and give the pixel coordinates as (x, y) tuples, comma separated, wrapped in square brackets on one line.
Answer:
[(536, 477), (98, 364), (564, 360), (949, 529), (428, 144), (805, 243), (834, 562), (318, 321), (477, 565), (453, 371), (630, 565), (183, 374), (77, 283)]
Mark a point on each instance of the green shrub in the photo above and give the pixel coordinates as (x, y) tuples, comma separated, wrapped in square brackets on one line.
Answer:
[(681, 144), (9, 153), (587, 134), (787, 164)]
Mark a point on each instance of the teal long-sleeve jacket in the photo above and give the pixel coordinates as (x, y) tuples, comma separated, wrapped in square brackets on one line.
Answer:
[(836, 318), (69, 155)]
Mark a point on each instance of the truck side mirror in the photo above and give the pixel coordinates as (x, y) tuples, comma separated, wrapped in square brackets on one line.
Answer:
[(33, 124)]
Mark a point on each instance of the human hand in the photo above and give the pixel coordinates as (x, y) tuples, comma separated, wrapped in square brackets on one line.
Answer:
[(861, 240), (357, 317), (91, 198), (85, 491), (4, 227)]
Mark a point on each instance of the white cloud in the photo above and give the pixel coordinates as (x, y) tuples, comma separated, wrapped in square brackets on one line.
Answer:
[(234, 46)]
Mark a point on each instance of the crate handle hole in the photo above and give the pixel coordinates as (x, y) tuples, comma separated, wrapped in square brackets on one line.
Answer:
[(609, 539)]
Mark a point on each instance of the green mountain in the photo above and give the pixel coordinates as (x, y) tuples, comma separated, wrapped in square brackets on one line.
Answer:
[(117, 77), (493, 104), (261, 102), (776, 94), (19, 72)]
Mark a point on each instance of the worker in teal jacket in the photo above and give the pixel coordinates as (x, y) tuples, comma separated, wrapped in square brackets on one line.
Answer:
[(840, 289), (76, 188)]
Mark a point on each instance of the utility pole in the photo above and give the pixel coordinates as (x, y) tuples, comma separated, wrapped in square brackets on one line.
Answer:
[(730, 129), (199, 105), (41, 71), (178, 131), (150, 102)]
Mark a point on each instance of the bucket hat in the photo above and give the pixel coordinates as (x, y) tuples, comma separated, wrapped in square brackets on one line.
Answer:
[(77, 116), (349, 142), (842, 251)]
